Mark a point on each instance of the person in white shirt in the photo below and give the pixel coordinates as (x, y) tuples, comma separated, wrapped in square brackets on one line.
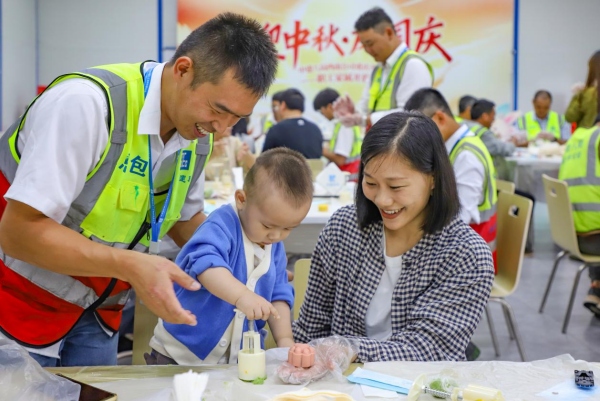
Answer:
[(97, 164), (345, 143), (398, 74), (473, 169)]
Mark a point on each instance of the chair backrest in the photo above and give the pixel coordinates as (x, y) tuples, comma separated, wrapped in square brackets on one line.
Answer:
[(144, 322), (505, 186), (301, 271), (316, 166), (514, 215), (562, 226)]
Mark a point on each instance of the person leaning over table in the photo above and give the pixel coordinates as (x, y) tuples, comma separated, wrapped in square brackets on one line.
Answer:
[(88, 169), (399, 272)]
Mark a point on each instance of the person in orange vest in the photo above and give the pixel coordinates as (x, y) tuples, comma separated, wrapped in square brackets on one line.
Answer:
[(98, 170)]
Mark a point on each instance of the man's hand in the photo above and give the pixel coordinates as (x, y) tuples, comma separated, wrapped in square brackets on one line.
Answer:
[(546, 136), (343, 106), (242, 152), (152, 277), (255, 307)]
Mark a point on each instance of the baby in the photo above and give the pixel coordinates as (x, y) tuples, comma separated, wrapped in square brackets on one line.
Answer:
[(238, 257)]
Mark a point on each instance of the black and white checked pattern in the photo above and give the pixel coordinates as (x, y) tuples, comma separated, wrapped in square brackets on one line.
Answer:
[(437, 303)]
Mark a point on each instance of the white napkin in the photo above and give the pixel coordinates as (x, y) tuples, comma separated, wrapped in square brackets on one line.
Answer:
[(190, 386)]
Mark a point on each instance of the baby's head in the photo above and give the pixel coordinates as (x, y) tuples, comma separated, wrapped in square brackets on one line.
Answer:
[(277, 195)]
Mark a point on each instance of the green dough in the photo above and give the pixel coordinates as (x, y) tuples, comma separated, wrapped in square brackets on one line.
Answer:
[(439, 385), (259, 380)]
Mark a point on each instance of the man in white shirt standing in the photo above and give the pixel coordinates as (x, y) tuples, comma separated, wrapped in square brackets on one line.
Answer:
[(398, 74), (100, 167)]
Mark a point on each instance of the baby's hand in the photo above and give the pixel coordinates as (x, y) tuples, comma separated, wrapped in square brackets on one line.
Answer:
[(255, 307)]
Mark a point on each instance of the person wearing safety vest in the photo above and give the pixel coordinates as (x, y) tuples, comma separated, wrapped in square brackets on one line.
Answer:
[(580, 169), (543, 123), (483, 114), (269, 120), (345, 143), (473, 169), (464, 108), (98, 169), (473, 166), (399, 73)]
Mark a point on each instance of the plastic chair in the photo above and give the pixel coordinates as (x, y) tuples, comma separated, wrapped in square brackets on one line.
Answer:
[(505, 186), (514, 215), (144, 322), (316, 166), (301, 272), (562, 228)]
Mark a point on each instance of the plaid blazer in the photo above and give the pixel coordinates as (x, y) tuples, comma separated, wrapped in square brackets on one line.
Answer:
[(437, 303)]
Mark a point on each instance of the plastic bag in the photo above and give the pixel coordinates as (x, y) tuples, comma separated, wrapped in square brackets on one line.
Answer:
[(333, 355), (23, 379)]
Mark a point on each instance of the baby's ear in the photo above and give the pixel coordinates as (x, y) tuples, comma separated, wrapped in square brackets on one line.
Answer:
[(240, 199)]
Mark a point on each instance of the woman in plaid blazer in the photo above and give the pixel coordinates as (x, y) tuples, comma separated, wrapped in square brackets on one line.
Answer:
[(399, 272)]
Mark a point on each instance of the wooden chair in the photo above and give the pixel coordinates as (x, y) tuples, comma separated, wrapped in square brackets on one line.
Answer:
[(505, 186), (301, 270), (514, 215), (562, 228), (316, 166), (144, 322)]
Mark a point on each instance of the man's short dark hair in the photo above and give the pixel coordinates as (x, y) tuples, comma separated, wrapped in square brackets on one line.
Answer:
[(415, 138), (542, 93), (465, 102), (481, 107), (324, 98), (277, 96), (284, 168), (428, 101), (375, 18), (231, 41), (293, 99)]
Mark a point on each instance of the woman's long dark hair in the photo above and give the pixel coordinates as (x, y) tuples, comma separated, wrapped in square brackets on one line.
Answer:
[(415, 138)]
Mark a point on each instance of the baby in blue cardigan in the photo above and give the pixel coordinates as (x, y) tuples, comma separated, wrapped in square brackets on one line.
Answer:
[(238, 257)]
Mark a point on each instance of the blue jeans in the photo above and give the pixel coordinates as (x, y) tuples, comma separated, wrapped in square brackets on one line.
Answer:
[(87, 344)]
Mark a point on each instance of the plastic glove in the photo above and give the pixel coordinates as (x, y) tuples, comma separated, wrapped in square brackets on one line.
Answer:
[(350, 120), (343, 106), (332, 355)]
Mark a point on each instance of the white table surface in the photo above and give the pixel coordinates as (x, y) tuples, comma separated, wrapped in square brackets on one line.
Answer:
[(518, 381)]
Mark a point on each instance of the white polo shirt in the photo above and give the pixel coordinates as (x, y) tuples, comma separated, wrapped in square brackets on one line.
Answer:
[(344, 142), (416, 76), (63, 139), (470, 176)]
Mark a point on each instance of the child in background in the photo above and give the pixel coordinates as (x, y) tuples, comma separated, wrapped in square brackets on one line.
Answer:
[(238, 256)]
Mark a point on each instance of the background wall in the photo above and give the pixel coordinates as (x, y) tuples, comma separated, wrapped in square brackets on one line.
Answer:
[(18, 58), (556, 38)]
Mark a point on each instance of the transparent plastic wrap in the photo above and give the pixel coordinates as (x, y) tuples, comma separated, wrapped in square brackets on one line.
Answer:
[(23, 379), (332, 355)]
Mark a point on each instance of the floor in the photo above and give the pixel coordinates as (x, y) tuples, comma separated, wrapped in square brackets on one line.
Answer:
[(541, 333)]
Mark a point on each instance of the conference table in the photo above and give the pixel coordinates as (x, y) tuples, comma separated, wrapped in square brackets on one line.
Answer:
[(549, 379)]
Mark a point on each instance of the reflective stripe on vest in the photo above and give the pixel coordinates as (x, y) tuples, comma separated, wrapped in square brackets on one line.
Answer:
[(487, 208), (113, 186), (386, 100), (529, 123), (580, 169), (478, 130), (356, 143)]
